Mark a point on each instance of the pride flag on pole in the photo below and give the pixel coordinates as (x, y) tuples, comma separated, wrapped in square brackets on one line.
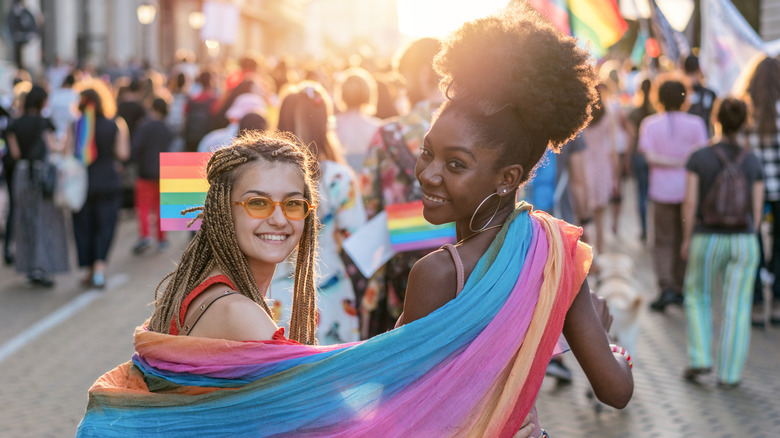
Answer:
[(182, 185), (410, 231)]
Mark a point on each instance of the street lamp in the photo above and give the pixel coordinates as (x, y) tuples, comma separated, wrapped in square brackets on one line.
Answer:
[(146, 13), (196, 19)]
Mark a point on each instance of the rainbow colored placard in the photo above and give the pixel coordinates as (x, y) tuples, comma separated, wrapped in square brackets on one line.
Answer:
[(410, 231), (182, 185)]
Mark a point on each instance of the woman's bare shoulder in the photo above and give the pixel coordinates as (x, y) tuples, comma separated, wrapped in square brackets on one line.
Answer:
[(235, 317), (432, 283)]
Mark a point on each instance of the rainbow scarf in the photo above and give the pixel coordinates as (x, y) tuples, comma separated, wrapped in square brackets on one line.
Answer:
[(431, 377), (86, 148)]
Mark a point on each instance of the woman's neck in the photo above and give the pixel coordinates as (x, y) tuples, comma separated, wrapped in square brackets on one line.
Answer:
[(464, 231), (262, 273)]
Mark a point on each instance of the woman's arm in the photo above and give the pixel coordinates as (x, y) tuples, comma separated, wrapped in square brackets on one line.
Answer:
[(690, 204), (609, 373), (758, 204), (122, 141), (13, 146)]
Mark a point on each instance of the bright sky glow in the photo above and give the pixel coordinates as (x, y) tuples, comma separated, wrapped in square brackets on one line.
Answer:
[(436, 18)]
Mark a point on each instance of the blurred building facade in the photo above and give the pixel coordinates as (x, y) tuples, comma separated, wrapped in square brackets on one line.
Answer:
[(102, 33)]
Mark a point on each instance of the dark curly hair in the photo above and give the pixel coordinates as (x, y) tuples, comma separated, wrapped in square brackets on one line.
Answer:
[(732, 113), (522, 85), (671, 94)]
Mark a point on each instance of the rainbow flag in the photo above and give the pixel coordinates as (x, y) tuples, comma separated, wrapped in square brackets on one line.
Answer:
[(410, 231), (86, 148), (182, 185), (596, 21)]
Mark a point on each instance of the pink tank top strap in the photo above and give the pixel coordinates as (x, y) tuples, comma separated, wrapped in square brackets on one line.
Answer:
[(458, 267)]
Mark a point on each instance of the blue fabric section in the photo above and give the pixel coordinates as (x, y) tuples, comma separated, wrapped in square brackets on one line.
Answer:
[(310, 394)]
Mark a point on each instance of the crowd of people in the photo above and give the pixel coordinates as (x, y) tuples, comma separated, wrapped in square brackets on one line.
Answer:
[(437, 127)]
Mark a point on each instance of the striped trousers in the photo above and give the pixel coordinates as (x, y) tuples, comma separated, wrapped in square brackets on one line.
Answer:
[(735, 258)]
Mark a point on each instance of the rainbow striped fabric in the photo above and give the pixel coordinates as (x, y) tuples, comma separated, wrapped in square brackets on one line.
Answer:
[(471, 368), (410, 231), (182, 185), (86, 147)]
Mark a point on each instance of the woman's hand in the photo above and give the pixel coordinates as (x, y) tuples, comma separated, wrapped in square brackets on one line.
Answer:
[(602, 310), (684, 248), (531, 427)]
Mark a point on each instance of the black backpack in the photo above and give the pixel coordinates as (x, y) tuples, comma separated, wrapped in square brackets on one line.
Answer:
[(727, 203), (197, 123)]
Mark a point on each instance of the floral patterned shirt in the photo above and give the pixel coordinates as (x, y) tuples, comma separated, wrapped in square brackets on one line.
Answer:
[(388, 178)]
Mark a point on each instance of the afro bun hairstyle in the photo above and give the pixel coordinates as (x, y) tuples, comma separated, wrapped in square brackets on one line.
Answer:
[(515, 60)]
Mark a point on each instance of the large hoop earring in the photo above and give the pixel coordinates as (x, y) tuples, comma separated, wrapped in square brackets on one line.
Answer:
[(491, 217)]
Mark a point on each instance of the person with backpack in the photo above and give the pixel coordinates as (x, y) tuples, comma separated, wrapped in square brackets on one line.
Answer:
[(724, 197)]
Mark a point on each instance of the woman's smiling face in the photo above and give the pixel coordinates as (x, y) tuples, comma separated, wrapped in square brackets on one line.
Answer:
[(455, 172), (269, 240)]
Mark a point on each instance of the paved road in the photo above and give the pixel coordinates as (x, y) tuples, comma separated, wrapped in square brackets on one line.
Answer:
[(55, 343)]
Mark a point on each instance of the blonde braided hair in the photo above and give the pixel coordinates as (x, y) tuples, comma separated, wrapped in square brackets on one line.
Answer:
[(215, 244)]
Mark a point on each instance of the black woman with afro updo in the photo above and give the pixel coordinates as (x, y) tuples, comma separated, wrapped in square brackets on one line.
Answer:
[(514, 87)]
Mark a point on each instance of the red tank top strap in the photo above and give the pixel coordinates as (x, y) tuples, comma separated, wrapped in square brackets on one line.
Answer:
[(458, 267), (217, 279)]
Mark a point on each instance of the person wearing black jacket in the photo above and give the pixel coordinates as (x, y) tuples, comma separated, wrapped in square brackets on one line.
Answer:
[(152, 137)]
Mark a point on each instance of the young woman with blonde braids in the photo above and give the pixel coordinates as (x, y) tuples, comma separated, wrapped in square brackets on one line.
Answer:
[(259, 209)]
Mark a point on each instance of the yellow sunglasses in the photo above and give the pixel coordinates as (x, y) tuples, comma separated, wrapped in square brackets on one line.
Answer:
[(260, 207)]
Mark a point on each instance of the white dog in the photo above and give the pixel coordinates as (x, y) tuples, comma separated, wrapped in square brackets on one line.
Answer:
[(617, 285)]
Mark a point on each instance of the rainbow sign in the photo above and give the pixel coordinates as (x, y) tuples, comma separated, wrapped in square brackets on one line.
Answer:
[(410, 231), (182, 185)]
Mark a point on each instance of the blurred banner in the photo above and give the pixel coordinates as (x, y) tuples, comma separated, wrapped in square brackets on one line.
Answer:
[(728, 45), (675, 45), (222, 22)]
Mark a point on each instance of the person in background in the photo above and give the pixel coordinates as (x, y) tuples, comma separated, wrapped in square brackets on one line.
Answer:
[(639, 166), (62, 104), (713, 252), (702, 99), (242, 105), (131, 107), (602, 162), (252, 122), (101, 143), (666, 140), (764, 137), (179, 98), (198, 112), (152, 137), (40, 240), (305, 112), (388, 178), (355, 97)]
